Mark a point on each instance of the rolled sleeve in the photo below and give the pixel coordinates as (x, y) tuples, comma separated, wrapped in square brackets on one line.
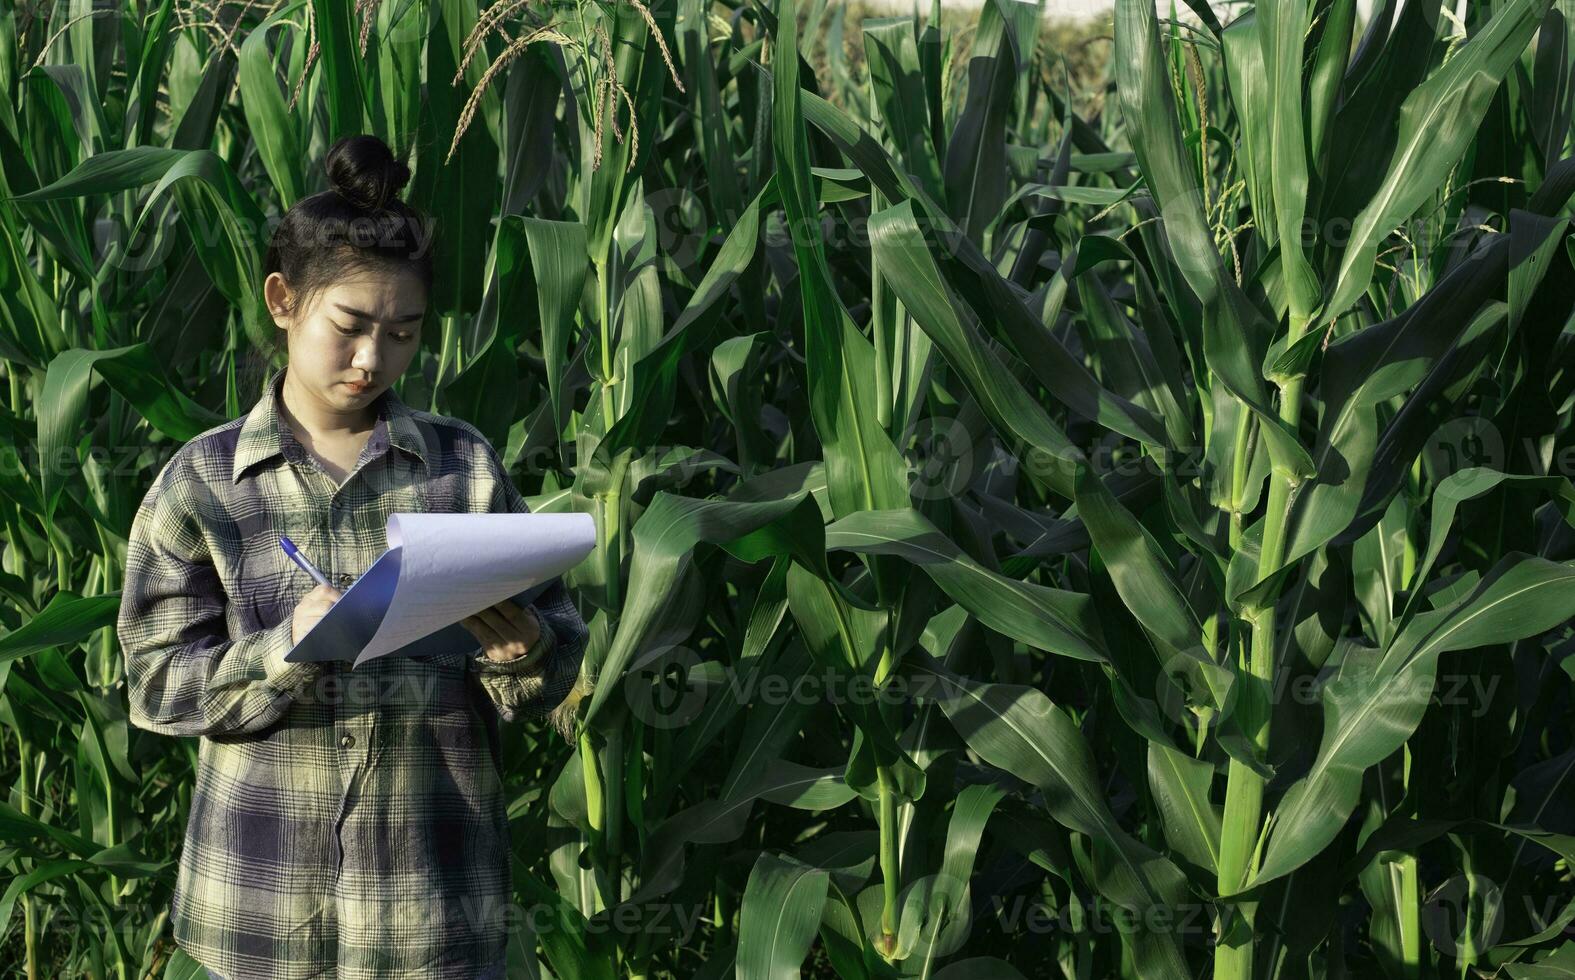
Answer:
[(185, 674), (514, 684), (539, 683)]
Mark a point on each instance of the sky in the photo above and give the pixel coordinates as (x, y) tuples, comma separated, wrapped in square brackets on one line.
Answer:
[(1068, 9), (1072, 9)]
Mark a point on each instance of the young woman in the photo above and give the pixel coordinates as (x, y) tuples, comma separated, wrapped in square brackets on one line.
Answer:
[(342, 825)]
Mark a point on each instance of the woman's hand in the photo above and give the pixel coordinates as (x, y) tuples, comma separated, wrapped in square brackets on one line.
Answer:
[(312, 607), (506, 631)]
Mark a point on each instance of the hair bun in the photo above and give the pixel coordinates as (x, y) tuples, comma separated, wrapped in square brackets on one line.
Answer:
[(362, 169)]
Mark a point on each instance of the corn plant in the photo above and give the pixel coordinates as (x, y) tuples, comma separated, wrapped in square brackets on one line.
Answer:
[(1072, 501)]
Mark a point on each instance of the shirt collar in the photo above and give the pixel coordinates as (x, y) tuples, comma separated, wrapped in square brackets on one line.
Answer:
[(265, 433)]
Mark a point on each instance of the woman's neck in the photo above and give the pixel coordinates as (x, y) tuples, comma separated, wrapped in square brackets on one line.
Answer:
[(318, 423)]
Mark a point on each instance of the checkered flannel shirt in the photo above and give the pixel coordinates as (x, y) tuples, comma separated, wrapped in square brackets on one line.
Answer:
[(343, 824)]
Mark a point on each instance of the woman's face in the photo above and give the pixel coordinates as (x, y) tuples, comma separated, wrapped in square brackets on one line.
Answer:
[(355, 337)]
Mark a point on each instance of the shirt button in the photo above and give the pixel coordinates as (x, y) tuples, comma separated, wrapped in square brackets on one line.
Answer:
[(344, 579), (347, 741)]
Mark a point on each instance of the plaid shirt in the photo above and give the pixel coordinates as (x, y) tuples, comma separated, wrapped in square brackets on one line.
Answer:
[(342, 824)]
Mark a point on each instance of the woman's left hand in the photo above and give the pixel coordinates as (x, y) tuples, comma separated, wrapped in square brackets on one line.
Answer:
[(506, 631)]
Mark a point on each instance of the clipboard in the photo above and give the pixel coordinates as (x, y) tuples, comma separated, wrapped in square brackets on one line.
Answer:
[(438, 569)]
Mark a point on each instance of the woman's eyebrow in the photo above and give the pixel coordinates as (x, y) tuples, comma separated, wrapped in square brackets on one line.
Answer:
[(407, 318)]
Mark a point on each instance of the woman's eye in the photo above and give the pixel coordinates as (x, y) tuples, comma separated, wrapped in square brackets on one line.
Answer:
[(403, 338)]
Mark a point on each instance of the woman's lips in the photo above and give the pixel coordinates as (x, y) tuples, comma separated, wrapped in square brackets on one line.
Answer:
[(357, 388)]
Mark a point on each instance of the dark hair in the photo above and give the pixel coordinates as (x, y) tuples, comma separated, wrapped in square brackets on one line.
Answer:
[(359, 222)]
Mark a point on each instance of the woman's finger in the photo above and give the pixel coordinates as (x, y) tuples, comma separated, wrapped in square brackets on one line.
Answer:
[(520, 616), (482, 631), (508, 628)]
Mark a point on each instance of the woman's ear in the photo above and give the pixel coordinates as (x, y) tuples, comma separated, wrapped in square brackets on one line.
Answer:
[(279, 299)]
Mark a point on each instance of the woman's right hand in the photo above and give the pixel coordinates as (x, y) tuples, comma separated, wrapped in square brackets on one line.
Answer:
[(310, 609)]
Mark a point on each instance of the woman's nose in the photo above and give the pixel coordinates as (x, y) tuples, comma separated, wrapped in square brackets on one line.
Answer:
[(366, 357)]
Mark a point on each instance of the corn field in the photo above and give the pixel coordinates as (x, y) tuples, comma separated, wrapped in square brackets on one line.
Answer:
[(1069, 503)]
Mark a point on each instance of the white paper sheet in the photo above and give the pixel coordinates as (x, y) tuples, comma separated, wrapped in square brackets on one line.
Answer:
[(438, 569)]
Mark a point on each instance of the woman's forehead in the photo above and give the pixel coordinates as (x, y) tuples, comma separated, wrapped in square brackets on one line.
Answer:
[(383, 295)]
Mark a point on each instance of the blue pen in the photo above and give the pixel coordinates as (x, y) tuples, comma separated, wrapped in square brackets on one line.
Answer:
[(300, 559)]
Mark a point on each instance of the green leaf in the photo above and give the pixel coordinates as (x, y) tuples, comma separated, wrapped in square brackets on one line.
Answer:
[(1371, 708), (1332, 35), (137, 376), (340, 63), (18, 828), (460, 192), (778, 917), (209, 196), (654, 377), (1282, 32), (907, 265), (1367, 367), (1018, 730), (1065, 378), (1235, 333), (975, 156), (848, 638), (272, 126), (664, 541), (897, 81), (1469, 484), (109, 173), (1148, 361), (1147, 585), (1053, 620), (1438, 120), (1180, 785), (67, 619), (711, 821), (936, 909), (863, 467)]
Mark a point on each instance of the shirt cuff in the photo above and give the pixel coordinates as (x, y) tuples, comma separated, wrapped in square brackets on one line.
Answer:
[(530, 661), (281, 674)]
